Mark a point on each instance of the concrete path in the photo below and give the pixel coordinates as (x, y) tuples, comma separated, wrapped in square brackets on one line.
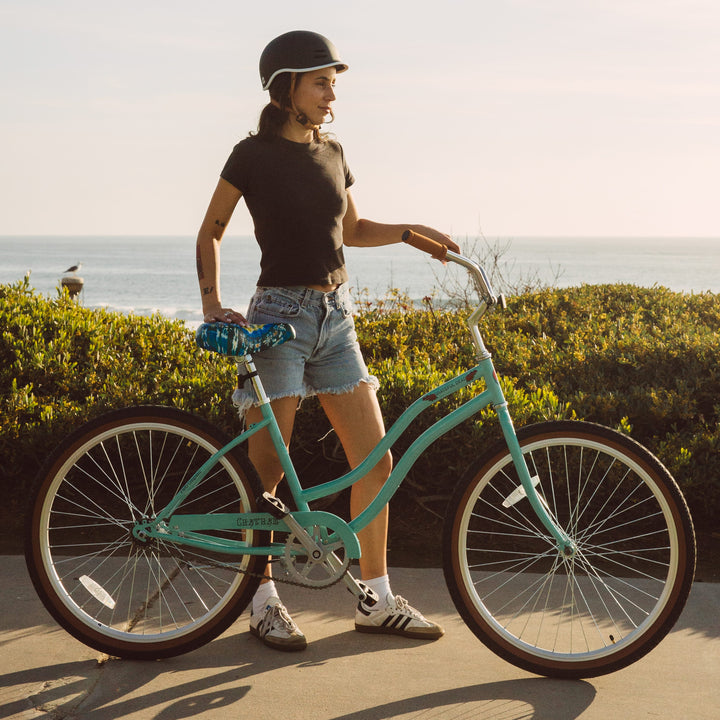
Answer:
[(344, 675)]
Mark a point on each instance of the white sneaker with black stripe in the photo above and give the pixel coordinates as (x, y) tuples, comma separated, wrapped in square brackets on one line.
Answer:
[(396, 617), (276, 628)]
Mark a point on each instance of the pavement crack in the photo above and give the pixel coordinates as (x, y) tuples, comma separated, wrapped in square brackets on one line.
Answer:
[(63, 697)]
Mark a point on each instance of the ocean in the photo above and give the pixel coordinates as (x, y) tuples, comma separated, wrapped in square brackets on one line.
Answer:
[(144, 275)]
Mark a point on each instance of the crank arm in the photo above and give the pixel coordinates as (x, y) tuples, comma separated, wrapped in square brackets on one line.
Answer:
[(360, 590), (279, 510)]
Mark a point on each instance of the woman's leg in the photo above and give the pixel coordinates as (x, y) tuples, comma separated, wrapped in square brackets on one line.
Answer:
[(261, 449), (270, 620), (358, 423), (357, 420)]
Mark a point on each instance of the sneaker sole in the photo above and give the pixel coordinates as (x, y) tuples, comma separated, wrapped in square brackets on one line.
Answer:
[(417, 634), (294, 645)]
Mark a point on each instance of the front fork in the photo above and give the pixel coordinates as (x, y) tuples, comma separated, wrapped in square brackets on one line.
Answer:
[(565, 545)]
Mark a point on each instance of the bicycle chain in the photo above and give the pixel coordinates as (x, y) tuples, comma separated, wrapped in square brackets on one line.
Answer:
[(286, 581)]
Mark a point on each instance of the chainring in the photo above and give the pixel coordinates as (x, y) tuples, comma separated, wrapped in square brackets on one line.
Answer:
[(321, 572)]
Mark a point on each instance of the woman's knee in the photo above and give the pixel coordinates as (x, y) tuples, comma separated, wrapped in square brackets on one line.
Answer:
[(385, 465), (379, 473)]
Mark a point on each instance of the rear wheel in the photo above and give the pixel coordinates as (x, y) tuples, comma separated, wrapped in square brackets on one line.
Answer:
[(604, 607), (117, 593)]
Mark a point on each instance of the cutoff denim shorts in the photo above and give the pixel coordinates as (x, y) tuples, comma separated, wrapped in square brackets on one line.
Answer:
[(325, 356)]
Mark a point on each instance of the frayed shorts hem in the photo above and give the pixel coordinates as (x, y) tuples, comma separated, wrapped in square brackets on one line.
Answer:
[(243, 401)]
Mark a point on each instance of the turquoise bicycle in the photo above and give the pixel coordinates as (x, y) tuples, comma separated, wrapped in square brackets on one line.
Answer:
[(568, 548)]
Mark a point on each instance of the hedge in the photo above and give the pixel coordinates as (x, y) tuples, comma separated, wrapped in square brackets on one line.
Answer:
[(643, 360)]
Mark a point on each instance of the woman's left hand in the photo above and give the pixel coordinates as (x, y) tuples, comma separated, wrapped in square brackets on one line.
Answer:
[(436, 235)]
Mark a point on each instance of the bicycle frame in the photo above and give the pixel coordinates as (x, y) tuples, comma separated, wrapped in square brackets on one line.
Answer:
[(139, 582), (183, 529)]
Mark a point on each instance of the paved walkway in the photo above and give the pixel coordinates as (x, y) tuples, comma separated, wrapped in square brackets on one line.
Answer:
[(343, 675)]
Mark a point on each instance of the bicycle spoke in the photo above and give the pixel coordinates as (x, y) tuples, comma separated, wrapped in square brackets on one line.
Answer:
[(128, 593), (555, 612)]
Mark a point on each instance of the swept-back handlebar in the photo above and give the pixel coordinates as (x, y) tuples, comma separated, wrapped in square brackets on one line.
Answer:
[(443, 253)]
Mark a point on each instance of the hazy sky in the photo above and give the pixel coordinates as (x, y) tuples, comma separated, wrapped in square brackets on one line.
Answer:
[(514, 117)]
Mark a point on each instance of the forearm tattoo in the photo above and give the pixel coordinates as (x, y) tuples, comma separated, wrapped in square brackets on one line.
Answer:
[(198, 260)]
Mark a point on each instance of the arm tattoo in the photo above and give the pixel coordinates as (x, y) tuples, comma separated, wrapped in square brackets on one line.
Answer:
[(200, 271), (208, 290)]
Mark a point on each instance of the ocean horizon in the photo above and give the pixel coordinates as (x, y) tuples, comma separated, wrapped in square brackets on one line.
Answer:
[(150, 274)]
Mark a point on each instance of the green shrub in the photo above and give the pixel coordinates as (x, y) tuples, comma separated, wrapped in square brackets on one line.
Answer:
[(641, 360), (62, 364)]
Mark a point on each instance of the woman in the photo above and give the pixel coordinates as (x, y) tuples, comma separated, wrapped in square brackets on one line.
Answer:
[(295, 183)]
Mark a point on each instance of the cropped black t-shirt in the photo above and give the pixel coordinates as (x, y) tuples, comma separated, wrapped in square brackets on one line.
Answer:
[(296, 194)]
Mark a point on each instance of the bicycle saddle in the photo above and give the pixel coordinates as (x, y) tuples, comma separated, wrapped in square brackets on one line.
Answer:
[(239, 340)]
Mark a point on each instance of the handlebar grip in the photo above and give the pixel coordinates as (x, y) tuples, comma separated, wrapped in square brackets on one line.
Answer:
[(432, 247)]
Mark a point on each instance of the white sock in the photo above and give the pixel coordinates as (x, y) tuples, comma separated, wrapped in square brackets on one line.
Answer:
[(264, 592), (381, 585)]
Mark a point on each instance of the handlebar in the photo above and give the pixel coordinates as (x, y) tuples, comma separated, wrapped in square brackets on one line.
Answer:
[(442, 252), (432, 247)]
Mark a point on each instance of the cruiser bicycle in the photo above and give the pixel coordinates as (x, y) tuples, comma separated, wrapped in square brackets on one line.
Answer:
[(568, 548)]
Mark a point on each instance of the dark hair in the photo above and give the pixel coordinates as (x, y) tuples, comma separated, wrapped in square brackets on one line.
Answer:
[(276, 113)]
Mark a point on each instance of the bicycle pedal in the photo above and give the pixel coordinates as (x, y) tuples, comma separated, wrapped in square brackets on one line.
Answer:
[(364, 594), (274, 506)]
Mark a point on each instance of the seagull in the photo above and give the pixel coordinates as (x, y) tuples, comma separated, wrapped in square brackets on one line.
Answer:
[(74, 268)]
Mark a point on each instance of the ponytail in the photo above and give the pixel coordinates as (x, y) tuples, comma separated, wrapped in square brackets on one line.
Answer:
[(277, 112)]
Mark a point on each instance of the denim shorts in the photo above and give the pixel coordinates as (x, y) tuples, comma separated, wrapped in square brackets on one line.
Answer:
[(325, 356)]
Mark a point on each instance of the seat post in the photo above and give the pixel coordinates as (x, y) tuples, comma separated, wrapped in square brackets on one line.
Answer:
[(246, 370)]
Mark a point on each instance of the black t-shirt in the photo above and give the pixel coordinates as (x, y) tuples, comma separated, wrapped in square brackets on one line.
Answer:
[(296, 194)]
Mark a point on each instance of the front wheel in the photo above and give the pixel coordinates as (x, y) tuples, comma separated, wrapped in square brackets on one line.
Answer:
[(111, 590), (612, 601)]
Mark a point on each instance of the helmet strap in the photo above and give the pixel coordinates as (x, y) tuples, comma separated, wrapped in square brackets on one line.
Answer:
[(300, 117)]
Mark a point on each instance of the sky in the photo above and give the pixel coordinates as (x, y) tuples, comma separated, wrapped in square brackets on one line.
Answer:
[(501, 117)]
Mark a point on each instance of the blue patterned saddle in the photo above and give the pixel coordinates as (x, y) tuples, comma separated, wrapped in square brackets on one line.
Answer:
[(239, 340)]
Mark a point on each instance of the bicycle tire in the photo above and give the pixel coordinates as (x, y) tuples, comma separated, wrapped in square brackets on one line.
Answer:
[(600, 610), (120, 595)]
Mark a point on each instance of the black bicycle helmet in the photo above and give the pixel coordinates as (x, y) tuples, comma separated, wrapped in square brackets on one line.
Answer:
[(297, 51)]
